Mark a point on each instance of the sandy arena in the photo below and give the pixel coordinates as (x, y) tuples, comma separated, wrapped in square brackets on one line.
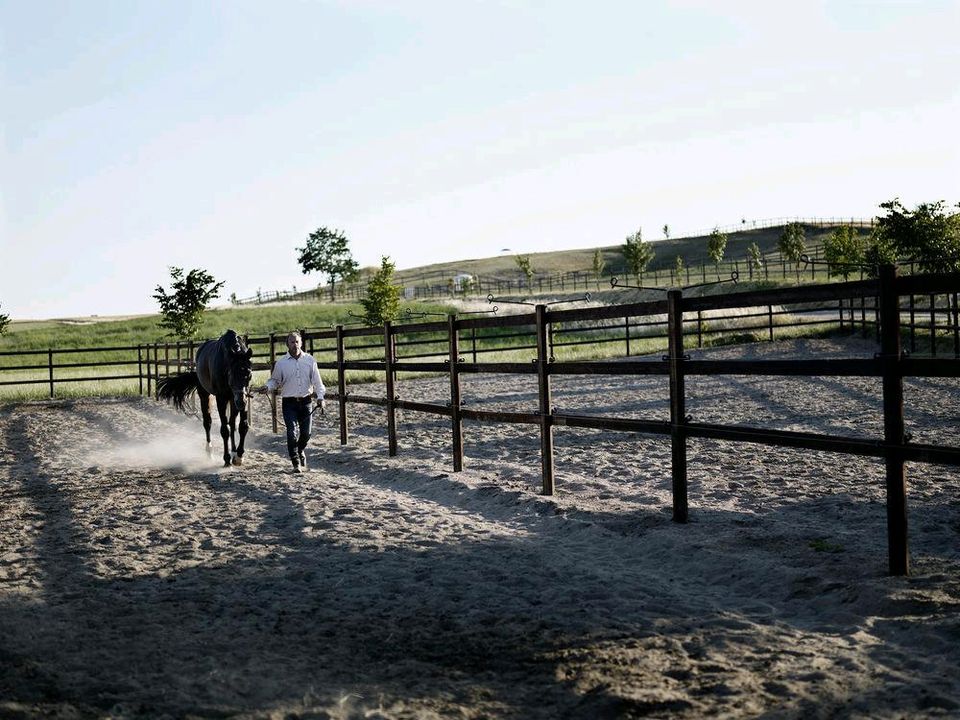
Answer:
[(140, 579)]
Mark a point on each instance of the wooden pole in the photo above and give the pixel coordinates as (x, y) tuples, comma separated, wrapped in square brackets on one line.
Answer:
[(543, 392), (140, 366), (341, 386), (273, 405), (893, 424), (956, 328), (678, 437), (50, 368), (933, 325), (457, 420), (388, 355)]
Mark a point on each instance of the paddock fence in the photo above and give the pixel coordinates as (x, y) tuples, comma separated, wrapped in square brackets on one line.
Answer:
[(918, 310), (441, 350)]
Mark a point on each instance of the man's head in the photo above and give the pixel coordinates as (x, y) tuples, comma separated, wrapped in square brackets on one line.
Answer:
[(294, 344)]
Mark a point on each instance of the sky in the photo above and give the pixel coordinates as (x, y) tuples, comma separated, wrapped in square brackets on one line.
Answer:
[(139, 135)]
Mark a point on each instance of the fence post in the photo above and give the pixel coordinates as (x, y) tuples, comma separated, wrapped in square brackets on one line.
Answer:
[(933, 325), (956, 329), (341, 386), (273, 362), (543, 387), (50, 368), (457, 421), (893, 425), (156, 370), (626, 325), (147, 369), (699, 328), (770, 320), (678, 437), (913, 322), (140, 366), (388, 353)]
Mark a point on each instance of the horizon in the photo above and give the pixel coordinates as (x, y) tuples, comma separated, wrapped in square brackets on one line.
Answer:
[(139, 137)]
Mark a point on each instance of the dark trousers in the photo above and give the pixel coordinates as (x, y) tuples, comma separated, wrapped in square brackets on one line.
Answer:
[(297, 418)]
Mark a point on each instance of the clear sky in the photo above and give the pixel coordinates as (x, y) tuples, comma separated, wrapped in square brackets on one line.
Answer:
[(140, 134)]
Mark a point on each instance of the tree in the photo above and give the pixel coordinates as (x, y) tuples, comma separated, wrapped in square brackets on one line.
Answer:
[(716, 245), (666, 232), (4, 323), (523, 262), (926, 234), (183, 308), (327, 252), (678, 269), (598, 265), (637, 254), (754, 257), (792, 245), (842, 249), (382, 301)]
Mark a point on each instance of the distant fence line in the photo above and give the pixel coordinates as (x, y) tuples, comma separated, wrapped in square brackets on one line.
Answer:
[(439, 284)]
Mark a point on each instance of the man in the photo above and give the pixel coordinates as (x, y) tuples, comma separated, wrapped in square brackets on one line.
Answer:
[(297, 379)]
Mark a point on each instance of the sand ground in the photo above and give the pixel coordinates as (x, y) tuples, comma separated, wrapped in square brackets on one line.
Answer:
[(139, 579)]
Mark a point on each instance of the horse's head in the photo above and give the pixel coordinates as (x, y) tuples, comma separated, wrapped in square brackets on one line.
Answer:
[(239, 371)]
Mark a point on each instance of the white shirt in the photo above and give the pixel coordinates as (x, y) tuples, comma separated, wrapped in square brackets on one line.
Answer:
[(296, 377)]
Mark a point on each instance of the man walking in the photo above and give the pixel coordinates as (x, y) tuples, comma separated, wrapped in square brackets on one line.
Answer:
[(297, 379)]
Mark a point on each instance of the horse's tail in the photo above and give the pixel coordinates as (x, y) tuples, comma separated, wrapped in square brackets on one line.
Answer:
[(177, 388)]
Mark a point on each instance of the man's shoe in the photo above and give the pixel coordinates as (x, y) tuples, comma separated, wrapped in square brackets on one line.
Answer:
[(296, 466), (303, 460)]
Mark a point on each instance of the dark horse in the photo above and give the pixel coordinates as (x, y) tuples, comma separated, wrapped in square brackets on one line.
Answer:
[(223, 370)]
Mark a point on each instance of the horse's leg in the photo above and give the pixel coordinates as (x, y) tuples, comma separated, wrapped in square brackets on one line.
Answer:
[(204, 397), (224, 429), (238, 458)]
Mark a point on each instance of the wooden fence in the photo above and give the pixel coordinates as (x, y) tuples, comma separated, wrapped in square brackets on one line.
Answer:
[(680, 313), (870, 306)]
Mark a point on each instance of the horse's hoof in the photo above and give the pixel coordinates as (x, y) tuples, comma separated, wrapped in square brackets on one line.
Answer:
[(238, 459)]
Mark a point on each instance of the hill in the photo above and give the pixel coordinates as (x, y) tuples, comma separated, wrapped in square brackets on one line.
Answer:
[(428, 281)]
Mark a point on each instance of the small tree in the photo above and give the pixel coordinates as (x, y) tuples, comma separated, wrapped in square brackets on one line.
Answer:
[(925, 234), (792, 245), (637, 254), (183, 308), (678, 269), (327, 251), (843, 249), (666, 232), (598, 265), (382, 301), (754, 257), (4, 323), (716, 246), (523, 262)]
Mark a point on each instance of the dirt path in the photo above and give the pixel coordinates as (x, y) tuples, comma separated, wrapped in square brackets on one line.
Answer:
[(138, 579)]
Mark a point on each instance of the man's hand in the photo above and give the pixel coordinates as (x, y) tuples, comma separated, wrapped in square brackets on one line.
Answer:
[(262, 390), (322, 406)]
